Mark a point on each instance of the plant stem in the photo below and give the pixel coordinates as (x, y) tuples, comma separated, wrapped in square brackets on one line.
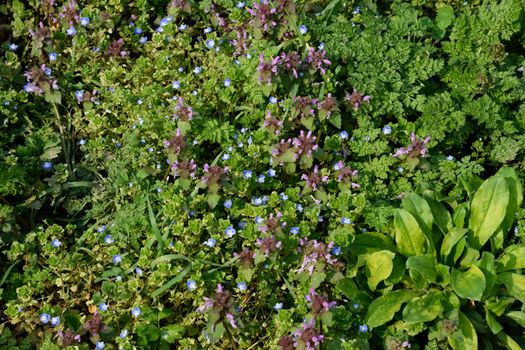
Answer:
[(230, 336)]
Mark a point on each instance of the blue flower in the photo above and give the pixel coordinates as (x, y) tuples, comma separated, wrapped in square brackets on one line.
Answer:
[(242, 224), (321, 46), (400, 169), (299, 207), (108, 239), (241, 286), (355, 306), (336, 250), (363, 328), (52, 56), (230, 231), (225, 156), (197, 70), (135, 312), (117, 259), (13, 47), (82, 142), (273, 100), (450, 158), (387, 130), (164, 21), (207, 30), (138, 271), (283, 196), (271, 172), (240, 4), (55, 321), (100, 345), (101, 229), (55, 243), (278, 306), (258, 220), (71, 31), (228, 203), (191, 285), (343, 134), (143, 40), (247, 174), (47, 166), (260, 178), (124, 333), (227, 82), (44, 318), (79, 94), (103, 307), (84, 21), (210, 43), (346, 221), (294, 230), (137, 31), (183, 27), (303, 29), (210, 243)]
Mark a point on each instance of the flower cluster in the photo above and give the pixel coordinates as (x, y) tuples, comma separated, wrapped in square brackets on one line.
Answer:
[(314, 179), (356, 99), (40, 80), (315, 255), (416, 148)]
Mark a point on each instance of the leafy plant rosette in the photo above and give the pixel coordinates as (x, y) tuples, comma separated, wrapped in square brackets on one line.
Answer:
[(447, 273)]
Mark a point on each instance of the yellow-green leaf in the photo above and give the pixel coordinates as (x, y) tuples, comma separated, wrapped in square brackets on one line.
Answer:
[(409, 237), (378, 267), (469, 284)]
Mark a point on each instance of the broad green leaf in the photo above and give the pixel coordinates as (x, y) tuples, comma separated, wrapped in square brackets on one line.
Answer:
[(445, 17), (517, 316), (369, 242), (348, 287), (442, 217), (515, 284), (512, 259), (424, 265), (450, 240), (487, 266), (488, 209), (378, 267), (382, 309), (515, 200), (469, 284), (493, 324), (509, 343), (335, 120), (465, 338), (499, 305), (419, 208), (424, 308), (460, 215), (409, 237)]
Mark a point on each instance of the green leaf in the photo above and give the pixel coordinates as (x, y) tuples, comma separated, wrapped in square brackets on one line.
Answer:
[(465, 338), (460, 215), (517, 316), (53, 96), (335, 120), (383, 309), (171, 333), (72, 319), (424, 308), (442, 217), (154, 228), (212, 199), (509, 343), (469, 284), (425, 265), (493, 324), (487, 266), (366, 243), (419, 208), (348, 287), (378, 267), (445, 17), (515, 284), (171, 282), (488, 209), (450, 241), (409, 237), (512, 259)]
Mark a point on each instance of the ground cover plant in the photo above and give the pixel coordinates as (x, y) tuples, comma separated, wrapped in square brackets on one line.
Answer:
[(262, 175)]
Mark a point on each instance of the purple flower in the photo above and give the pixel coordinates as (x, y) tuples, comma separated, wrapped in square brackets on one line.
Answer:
[(415, 149), (305, 144), (308, 337), (356, 98), (314, 179), (268, 69), (320, 304), (317, 60)]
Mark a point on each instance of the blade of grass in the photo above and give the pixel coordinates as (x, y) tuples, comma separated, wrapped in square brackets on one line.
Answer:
[(171, 282), (154, 228), (6, 274)]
